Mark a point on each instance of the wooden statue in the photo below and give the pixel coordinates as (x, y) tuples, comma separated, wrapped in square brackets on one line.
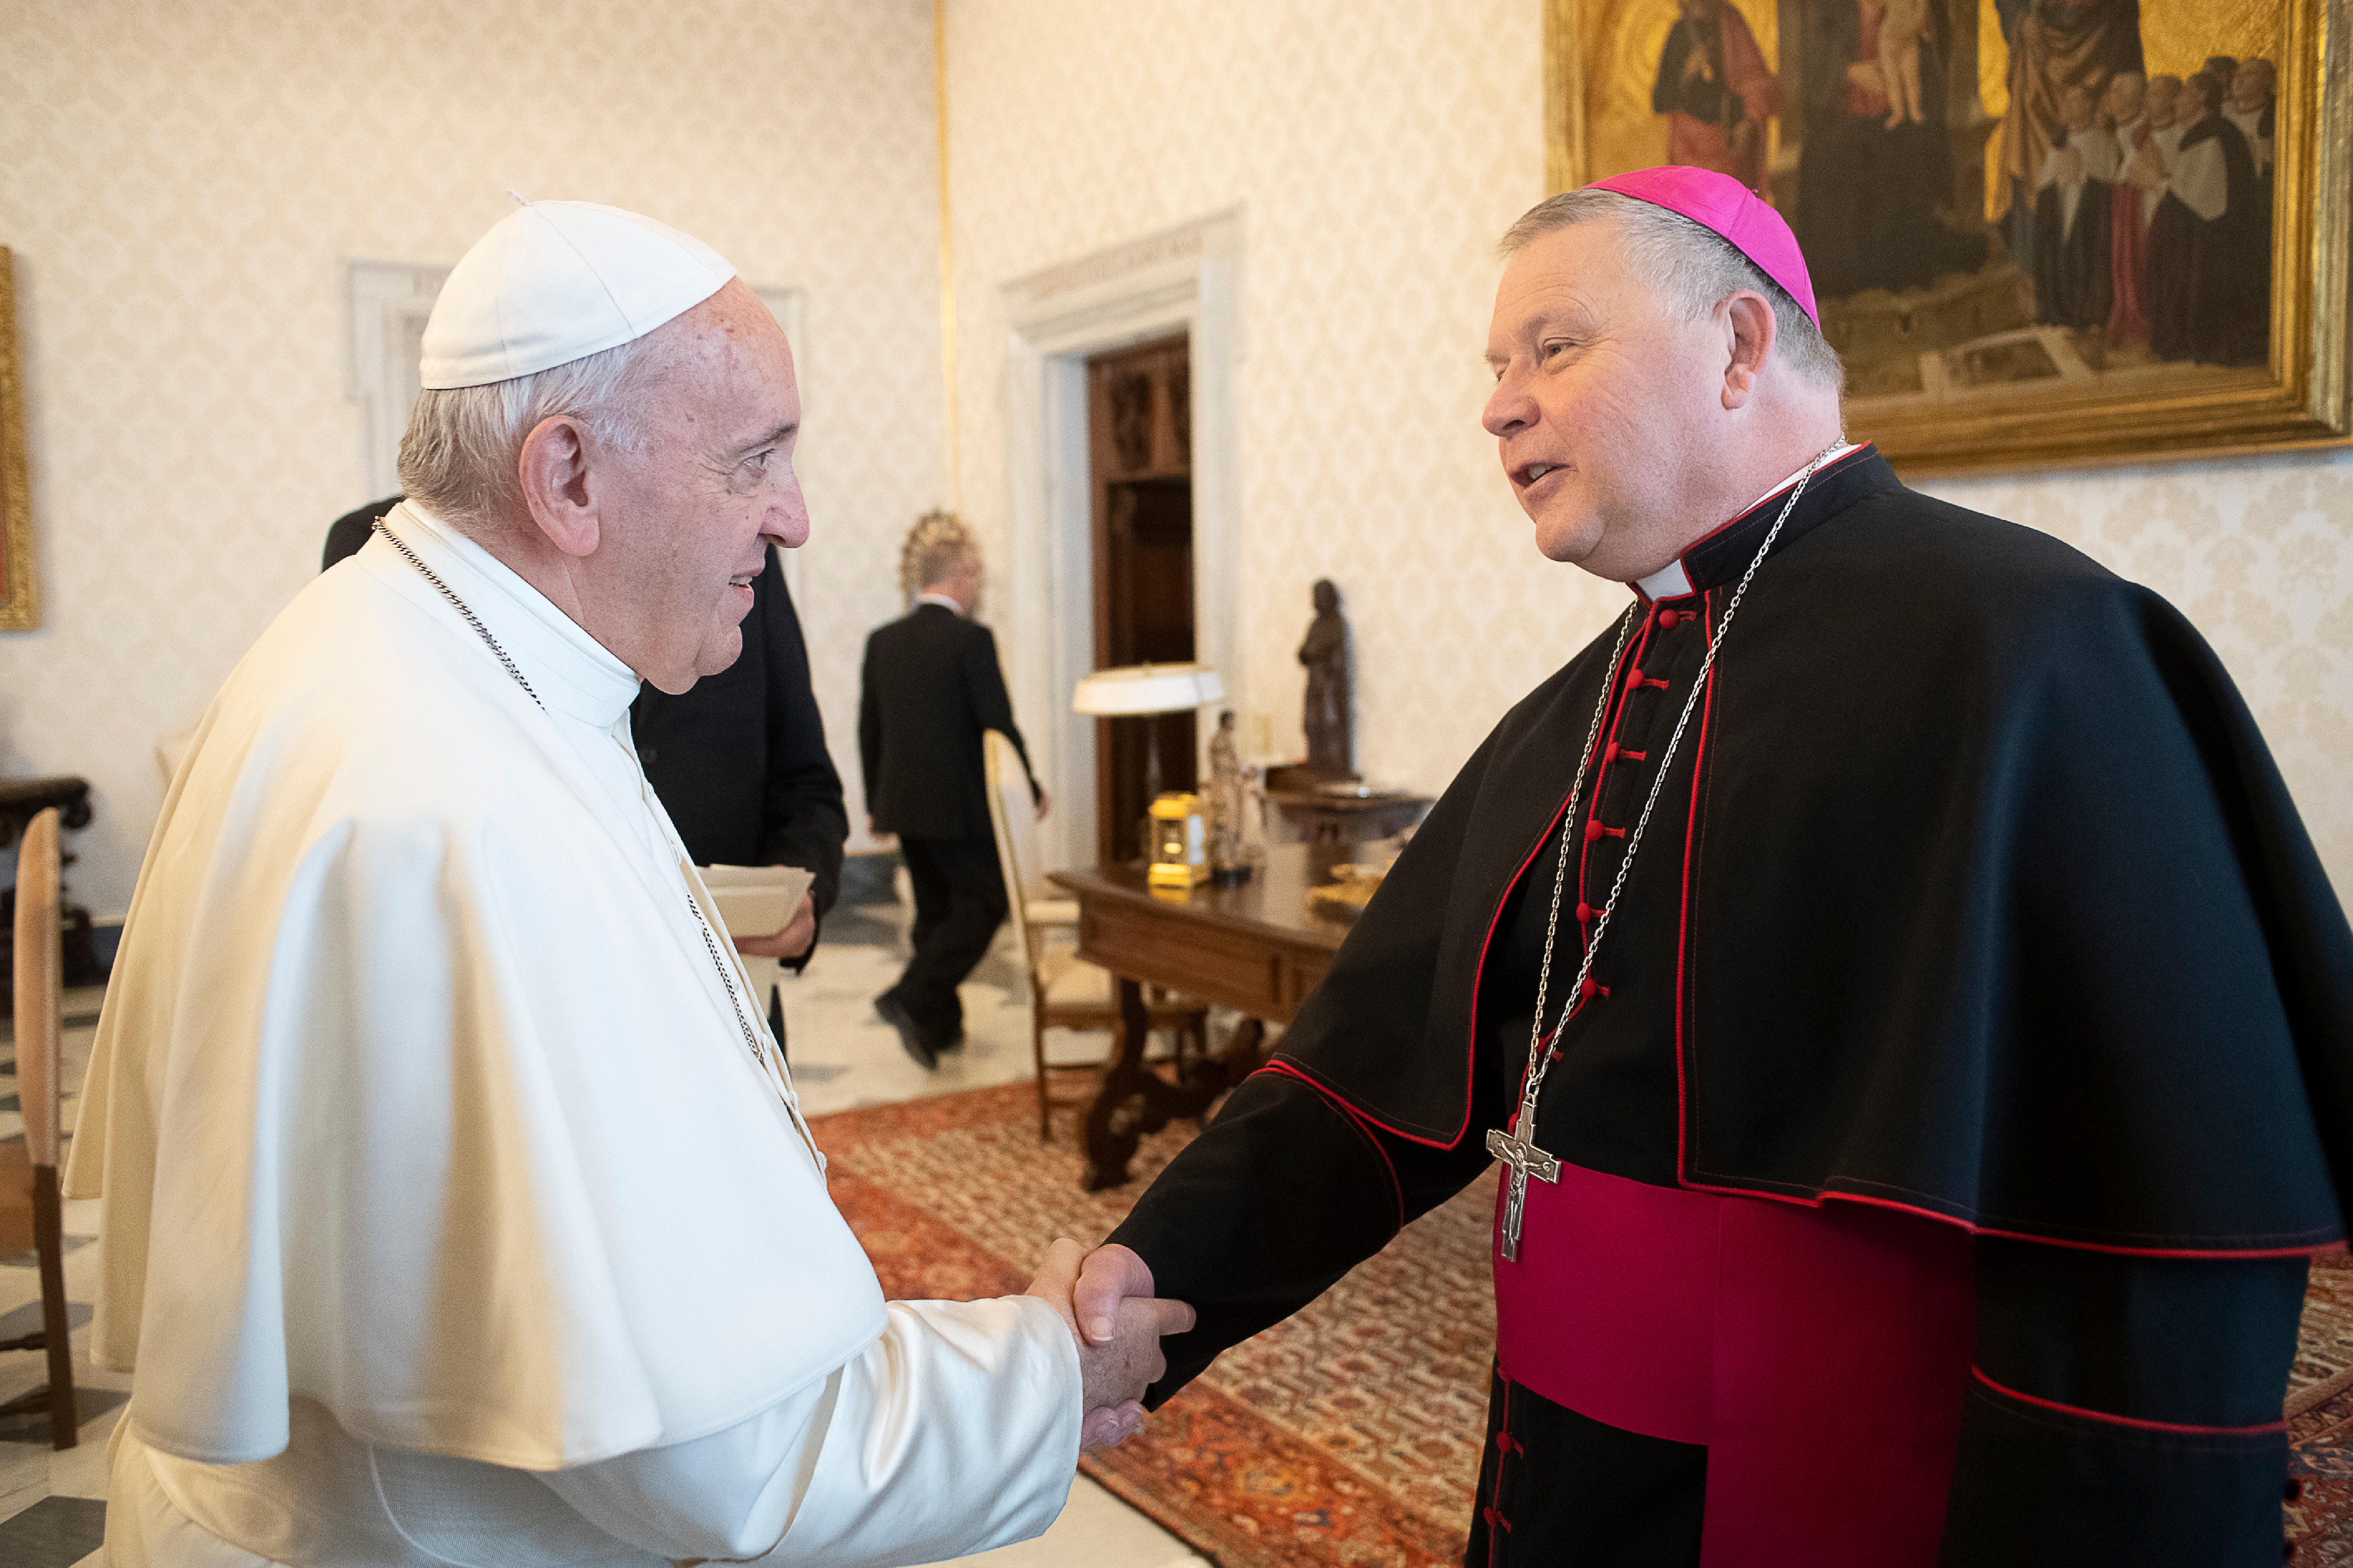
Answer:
[(1331, 747)]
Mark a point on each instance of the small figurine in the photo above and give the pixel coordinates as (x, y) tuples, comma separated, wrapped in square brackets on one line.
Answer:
[(1229, 803), (1331, 749)]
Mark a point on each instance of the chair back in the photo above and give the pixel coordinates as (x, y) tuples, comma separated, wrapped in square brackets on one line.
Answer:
[(38, 960), (1013, 815)]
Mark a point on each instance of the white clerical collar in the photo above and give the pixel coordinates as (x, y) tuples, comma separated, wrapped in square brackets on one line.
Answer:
[(953, 606), (1671, 582), (569, 670)]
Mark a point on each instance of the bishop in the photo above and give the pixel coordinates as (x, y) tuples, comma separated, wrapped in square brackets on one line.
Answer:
[(1897, 961)]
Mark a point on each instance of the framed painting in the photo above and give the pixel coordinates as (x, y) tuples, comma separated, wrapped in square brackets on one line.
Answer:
[(20, 592), (2041, 231)]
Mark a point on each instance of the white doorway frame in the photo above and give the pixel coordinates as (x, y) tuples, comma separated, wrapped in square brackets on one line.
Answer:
[(1184, 279), (386, 304)]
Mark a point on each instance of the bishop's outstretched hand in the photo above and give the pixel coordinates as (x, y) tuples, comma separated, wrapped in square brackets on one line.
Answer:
[(1119, 1347)]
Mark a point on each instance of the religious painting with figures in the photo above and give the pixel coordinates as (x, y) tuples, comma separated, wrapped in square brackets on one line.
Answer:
[(2039, 230)]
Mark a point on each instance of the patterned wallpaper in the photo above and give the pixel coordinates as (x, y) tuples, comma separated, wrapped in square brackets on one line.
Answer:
[(1377, 152), (185, 180), (182, 182)]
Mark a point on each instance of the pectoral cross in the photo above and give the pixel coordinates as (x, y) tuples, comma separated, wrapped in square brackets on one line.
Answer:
[(1526, 1160)]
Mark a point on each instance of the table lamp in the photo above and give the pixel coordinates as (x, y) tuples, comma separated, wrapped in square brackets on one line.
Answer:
[(1146, 691)]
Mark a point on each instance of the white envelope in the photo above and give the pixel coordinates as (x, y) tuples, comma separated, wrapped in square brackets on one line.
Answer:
[(756, 901)]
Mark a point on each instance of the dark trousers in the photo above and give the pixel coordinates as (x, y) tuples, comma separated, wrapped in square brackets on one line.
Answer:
[(959, 904)]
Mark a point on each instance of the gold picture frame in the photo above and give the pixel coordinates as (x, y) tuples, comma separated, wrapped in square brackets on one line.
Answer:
[(20, 583), (2090, 408)]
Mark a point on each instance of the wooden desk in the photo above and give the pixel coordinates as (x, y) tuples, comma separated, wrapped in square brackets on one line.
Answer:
[(1258, 949)]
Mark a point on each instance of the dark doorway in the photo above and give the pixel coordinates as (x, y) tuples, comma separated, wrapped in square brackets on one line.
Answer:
[(1140, 461)]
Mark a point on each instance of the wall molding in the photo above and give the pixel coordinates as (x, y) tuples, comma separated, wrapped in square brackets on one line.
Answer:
[(386, 304)]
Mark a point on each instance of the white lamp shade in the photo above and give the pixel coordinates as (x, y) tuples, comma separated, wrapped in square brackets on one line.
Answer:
[(1147, 688)]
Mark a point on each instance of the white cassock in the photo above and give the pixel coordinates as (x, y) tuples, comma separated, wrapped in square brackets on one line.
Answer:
[(448, 1217)]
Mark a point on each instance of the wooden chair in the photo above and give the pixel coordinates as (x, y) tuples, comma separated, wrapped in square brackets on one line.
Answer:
[(29, 1214), (1066, 992)]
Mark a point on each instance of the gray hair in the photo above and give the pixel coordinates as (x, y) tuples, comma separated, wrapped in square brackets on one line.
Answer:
[(1692, 268), (459, 456)]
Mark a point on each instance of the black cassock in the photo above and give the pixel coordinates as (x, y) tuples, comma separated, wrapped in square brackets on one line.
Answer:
[(2210, 280), (1972, 896), (2073, 281)]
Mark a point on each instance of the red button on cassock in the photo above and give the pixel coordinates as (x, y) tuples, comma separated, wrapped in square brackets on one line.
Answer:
[(1593, 830), (1583, 912), (1589, 987), (1611, 754), (1633, 678), (1667, 619)]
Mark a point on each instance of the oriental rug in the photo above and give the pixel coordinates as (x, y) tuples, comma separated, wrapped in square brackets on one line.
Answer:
[(1348, 1437)]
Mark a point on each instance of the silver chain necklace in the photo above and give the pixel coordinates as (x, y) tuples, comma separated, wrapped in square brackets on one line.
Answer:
[(710, 943), (1517, 1146)]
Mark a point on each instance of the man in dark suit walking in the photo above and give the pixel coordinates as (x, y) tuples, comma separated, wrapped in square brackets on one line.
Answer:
[(931, 687)]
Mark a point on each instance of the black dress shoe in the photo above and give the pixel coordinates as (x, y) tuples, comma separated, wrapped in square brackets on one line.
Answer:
[(894, 1013)]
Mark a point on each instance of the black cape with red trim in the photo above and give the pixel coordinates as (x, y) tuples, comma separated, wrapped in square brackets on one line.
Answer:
[(1992, 903)]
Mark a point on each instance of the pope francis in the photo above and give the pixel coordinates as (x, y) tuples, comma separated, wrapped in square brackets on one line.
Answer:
[(458, 1208)]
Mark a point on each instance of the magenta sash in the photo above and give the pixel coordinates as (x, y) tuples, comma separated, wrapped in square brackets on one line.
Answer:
[(1820, 1354)]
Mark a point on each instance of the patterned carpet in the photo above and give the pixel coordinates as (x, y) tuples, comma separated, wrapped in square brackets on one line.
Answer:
[(1348, 1437), (2320, 1419)]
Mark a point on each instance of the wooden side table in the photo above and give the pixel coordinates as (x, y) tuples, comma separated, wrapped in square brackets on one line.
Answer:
[(1258, 948)]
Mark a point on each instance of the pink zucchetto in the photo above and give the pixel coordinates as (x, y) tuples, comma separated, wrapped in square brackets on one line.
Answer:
[(1731, 209)]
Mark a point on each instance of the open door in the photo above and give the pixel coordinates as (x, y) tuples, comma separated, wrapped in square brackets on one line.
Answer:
[(1140, 461)]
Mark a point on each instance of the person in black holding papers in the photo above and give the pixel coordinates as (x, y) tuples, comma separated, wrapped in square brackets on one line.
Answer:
[(931, 685), (740, 763)]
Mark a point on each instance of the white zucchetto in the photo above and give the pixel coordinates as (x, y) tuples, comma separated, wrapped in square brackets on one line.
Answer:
[(556, 281)]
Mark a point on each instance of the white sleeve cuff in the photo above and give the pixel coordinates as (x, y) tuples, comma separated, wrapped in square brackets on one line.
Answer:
[(955, 1431)]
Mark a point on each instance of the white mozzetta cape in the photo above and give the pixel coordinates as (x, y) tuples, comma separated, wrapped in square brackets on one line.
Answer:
[(417, 1095)]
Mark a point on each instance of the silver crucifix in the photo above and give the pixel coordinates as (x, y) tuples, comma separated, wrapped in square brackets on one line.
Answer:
[(1526, 1160)]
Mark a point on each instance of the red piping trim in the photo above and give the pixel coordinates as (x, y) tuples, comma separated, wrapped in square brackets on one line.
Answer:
[(1306, 1074), (2311, 1249), (1684, 1090), (1356, 1120), (1840, 461), (1682, 916), (1495, 1493), (2101, 1416), (1552, 826), (1616, 717)]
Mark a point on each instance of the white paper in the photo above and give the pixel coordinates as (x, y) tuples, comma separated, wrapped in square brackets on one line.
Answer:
[(756, 901)]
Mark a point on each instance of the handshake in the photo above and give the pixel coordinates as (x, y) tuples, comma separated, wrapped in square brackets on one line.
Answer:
[(1105, 1296)]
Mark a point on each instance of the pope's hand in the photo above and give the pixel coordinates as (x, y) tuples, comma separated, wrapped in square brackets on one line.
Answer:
[(789, 942), (1122, 1360)]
